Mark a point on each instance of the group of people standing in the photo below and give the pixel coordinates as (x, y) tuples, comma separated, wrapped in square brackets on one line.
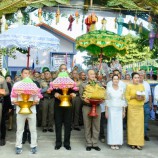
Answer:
[(122, 102)]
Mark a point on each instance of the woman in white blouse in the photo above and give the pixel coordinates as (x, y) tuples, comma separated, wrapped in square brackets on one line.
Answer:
[(115, 112)]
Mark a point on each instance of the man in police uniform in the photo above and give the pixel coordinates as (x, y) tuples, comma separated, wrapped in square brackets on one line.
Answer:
[(76, 103), (47, 103), (3, 92)]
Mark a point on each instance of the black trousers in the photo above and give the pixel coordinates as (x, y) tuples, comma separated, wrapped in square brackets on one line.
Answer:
[(39, 113), (3, 124), (102, 126), (63, 115)]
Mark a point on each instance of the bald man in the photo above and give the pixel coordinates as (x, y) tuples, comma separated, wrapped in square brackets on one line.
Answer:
[(91, 124)]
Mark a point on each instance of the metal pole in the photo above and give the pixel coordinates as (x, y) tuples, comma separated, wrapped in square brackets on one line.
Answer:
[(101, 58), (91, 3), (28, 57)]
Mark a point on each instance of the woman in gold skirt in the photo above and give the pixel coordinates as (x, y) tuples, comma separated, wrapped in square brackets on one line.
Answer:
[(135, 121)]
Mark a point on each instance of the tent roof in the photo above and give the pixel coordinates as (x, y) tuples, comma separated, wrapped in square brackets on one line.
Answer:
[(11, 6)]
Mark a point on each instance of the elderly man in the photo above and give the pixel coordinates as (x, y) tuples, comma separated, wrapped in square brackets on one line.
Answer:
[(91, 125), (148, 103)]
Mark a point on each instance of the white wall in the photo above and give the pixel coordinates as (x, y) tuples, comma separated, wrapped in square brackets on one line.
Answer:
[(65, 46)]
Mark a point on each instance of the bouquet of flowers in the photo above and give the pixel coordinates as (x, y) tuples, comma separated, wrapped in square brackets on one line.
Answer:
[(63, 81), (26, 86)]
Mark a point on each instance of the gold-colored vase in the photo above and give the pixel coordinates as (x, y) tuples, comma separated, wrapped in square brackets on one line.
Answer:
[(25, 104), (65, 99)]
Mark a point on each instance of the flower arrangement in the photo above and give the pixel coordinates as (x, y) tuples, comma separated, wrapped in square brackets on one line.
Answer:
[(26, 86), (63, 81)]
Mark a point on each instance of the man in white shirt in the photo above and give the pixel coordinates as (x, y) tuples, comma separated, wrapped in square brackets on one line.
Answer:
[(148, 103), (21, 118), (121, 83)]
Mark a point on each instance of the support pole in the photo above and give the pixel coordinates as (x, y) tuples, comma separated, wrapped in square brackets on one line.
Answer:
[(28, 58)]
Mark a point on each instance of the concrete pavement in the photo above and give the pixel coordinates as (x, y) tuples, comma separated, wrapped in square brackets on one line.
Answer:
[(46, 143)]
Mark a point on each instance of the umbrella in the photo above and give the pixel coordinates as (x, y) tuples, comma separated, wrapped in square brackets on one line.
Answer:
[(100, 41), (149, 69), (29, 36)]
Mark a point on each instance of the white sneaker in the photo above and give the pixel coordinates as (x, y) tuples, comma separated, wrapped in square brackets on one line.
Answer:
[(117, 147), (18, 150), (113, 147), (34, 150)]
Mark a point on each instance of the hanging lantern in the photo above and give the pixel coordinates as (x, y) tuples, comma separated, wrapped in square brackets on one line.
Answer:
[(70, 19), (3, 23), (19, 17), (88, 22), (130, 25), (37, 60), (103, 22), (120, 22), (77, 16), (94, 19), (40, 15), (151, 39), (149, 21), (57, 16), (6, 27), (135, 21), (89, 19), (115, 20), (140, 28)]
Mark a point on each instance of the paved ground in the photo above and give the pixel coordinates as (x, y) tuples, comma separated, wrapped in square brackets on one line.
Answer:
[(46, 147)]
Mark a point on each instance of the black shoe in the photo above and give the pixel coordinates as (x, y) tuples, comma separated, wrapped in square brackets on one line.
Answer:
[(67, 147), (57, 147), (2, 142), (38, 125), (10, 129), (29, 140), (23, 141), (50, 130), (81, 124), (148, 129), (96, 148), (77, 129), (88, 148), (147, 138), (44, 130)]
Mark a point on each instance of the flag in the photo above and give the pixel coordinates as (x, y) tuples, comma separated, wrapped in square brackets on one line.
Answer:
[(66, 59), (33, 65), (73, 62)]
